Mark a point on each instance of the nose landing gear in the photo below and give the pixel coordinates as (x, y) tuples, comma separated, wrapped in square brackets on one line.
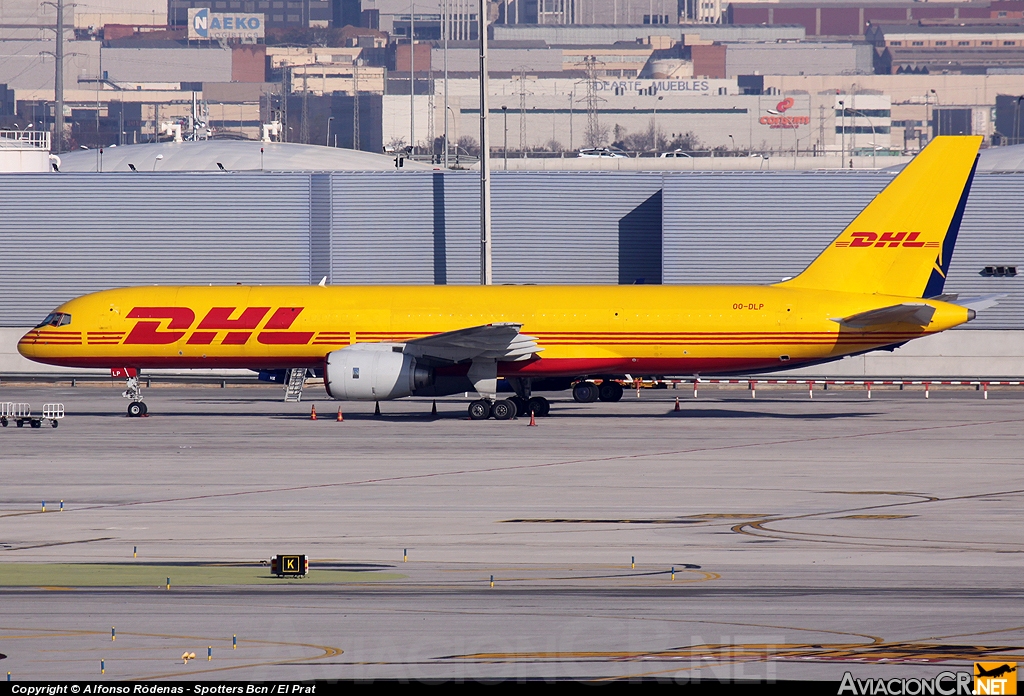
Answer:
[(137, 408)]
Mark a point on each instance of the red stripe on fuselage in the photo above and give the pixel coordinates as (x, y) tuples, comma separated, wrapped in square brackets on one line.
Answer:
[(546, 367)]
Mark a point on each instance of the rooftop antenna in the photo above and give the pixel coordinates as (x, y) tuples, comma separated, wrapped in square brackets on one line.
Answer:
[(522, 110), (593, 126)]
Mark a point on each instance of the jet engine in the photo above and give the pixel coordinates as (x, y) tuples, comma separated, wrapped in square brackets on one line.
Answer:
[(373, 373)]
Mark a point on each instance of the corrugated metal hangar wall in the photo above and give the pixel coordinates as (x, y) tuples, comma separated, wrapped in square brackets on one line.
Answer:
[(70, 234)]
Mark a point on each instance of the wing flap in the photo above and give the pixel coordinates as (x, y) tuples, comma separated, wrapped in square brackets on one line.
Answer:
[(907, 313)]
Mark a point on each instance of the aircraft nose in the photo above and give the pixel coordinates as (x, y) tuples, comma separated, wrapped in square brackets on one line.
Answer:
[(27, 345)]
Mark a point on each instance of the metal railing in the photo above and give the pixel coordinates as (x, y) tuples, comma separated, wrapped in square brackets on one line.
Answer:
[(25, 139)]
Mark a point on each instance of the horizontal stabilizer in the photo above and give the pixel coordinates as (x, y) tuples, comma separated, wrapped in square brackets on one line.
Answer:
[(907, 313), (981, 302)]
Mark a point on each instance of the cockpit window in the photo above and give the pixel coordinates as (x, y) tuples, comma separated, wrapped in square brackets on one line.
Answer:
[(55, 319)]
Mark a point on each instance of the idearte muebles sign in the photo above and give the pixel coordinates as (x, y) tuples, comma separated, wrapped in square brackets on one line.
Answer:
[(203, 24), (778, 118), (651, 87)]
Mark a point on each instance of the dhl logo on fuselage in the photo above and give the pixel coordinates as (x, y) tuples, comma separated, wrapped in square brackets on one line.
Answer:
[(218, 321), (885, 239)]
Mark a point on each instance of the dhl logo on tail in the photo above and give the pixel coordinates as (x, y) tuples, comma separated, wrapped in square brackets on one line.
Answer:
[(885, 239)]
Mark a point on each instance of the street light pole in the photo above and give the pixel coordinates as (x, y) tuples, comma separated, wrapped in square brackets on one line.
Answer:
[(485, 154), (655, 124), (412, 79), (58, 92), (329, 119), (445, 29), (933, 131), (572, 96), (842, 129), (1016, 121), (504, 115), (872, 124)]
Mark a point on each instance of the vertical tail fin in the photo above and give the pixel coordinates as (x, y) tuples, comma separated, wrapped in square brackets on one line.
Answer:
[(902, 242)]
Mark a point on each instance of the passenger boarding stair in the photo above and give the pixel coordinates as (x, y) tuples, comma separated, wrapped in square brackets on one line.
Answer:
[(296, 380)]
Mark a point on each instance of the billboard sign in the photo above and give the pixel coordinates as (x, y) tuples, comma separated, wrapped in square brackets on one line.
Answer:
[(203, 24), (778, 117)]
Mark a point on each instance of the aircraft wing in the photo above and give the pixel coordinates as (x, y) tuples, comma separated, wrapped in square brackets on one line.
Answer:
[(906, 313), (488, 342)]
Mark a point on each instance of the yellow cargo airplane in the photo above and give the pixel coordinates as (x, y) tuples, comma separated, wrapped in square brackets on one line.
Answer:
[(878, 285)]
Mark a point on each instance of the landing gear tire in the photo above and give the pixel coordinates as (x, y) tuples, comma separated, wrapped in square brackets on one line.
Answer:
[(504, 410), (145, 408), (585, 392), (610, 391), (538, 405), (522, 407), (479, 410), (136, 409)]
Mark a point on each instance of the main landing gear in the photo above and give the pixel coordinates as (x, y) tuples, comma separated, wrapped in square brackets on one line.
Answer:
[(588, 392), (507, 409), (137, 408)]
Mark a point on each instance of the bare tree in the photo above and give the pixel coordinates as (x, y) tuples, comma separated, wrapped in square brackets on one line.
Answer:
[(469, 145)]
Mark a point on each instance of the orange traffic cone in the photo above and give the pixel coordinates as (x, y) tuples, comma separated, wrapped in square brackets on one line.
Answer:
[(533, 418), (341, 418), (677, 404), (312, 413)]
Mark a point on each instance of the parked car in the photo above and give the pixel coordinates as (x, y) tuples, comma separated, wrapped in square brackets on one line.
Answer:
[(599, 152), (674, 153)]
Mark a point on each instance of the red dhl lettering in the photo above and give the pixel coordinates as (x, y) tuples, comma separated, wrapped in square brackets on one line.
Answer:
[(219, 318), (218, 321), (148, 333), (885, 239)]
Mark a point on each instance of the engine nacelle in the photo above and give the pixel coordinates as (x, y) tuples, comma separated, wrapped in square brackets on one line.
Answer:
[(373, 373)]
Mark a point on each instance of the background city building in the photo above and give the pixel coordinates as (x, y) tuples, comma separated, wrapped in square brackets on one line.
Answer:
[(569, 74)]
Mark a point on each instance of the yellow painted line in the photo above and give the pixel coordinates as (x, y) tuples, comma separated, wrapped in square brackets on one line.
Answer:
[(759, 652), (328, 652)]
